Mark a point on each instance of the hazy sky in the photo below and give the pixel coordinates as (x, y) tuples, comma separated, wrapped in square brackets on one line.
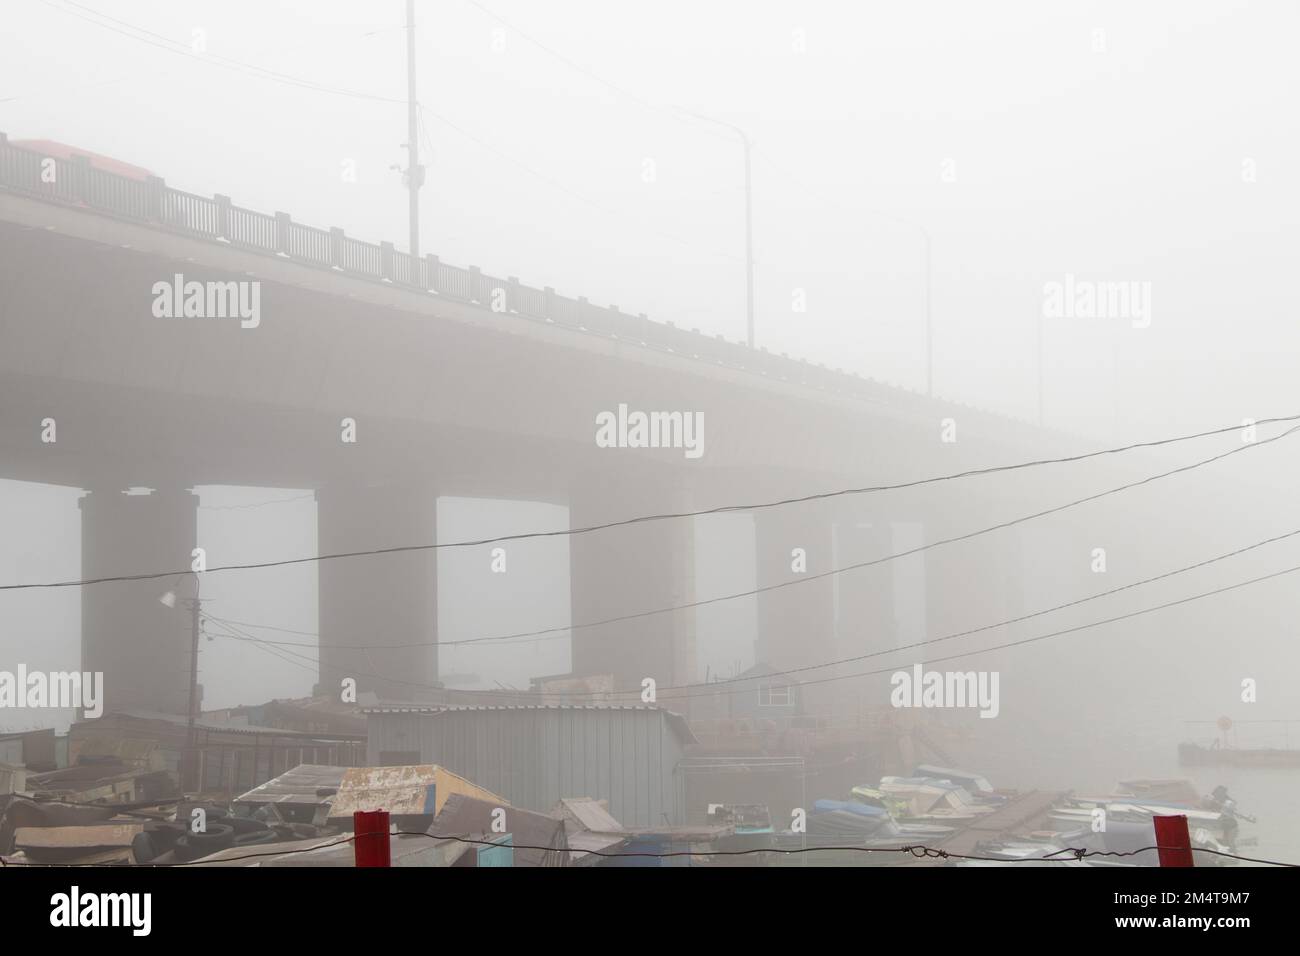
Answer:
[(1106, 140), (1150, 143)]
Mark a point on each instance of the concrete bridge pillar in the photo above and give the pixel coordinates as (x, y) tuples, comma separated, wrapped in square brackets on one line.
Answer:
[(630, 569), (864, 597), (796, 623), (971, 583), (141, 646), (383, 599)]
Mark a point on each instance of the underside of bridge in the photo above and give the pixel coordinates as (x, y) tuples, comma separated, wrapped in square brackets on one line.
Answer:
[(442, 402)]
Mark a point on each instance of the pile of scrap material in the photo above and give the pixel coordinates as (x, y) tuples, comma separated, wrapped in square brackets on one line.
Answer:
[(925, 809), (413, 795), (53, 832), (300, 795), (102, 780), (80, 845), (41, 832), (847, 820), (197, 831), (591, 830), (861, 822), (538, 839), (1013, 832), (1122, 820), (406, 849), (466, 832), (310, 804), (938, 799), (595, 838), (1042, 824)]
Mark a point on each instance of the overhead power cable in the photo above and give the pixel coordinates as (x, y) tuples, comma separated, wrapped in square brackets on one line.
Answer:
[(142, 35), (1018, 643), (846, 660), (257, 504), (711, 688), (180, 49), (321, 667), (725, 509)]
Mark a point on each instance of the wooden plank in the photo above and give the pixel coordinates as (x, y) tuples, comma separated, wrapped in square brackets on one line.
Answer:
[(1008, 820)]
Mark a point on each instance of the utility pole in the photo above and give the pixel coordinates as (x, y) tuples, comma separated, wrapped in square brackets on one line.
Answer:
[(414, 171), (191, 744)]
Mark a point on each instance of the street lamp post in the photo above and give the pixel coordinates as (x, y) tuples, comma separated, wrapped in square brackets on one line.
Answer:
[(191, 756), (189, 777)]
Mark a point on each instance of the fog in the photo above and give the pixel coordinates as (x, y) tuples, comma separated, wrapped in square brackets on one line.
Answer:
[(934, 163)]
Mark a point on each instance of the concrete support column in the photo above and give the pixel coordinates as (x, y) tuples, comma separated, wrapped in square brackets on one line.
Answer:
[(382, 599), (141, 646), (629, 569), (796, 624), (864, 597), (971, 583)]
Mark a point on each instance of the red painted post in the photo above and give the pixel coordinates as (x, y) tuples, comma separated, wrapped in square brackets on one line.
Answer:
[(371, 846), (1173, 841)]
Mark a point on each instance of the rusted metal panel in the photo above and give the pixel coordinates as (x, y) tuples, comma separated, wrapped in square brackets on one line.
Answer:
[(403, 791)]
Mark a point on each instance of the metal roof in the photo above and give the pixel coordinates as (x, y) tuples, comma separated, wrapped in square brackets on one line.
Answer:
[(464, 816), (677, 721), (179, 720), (303, 784), (587, 813)]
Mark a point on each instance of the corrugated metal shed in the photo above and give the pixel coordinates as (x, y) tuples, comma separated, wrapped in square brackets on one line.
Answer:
[(535, 756)]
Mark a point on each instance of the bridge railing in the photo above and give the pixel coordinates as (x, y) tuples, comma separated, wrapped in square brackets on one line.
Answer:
[(244, 227), (361, 258), (452, 282), (77, 182)]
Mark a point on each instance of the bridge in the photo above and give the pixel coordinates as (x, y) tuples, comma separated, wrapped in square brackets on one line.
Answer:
[(460, 382)]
